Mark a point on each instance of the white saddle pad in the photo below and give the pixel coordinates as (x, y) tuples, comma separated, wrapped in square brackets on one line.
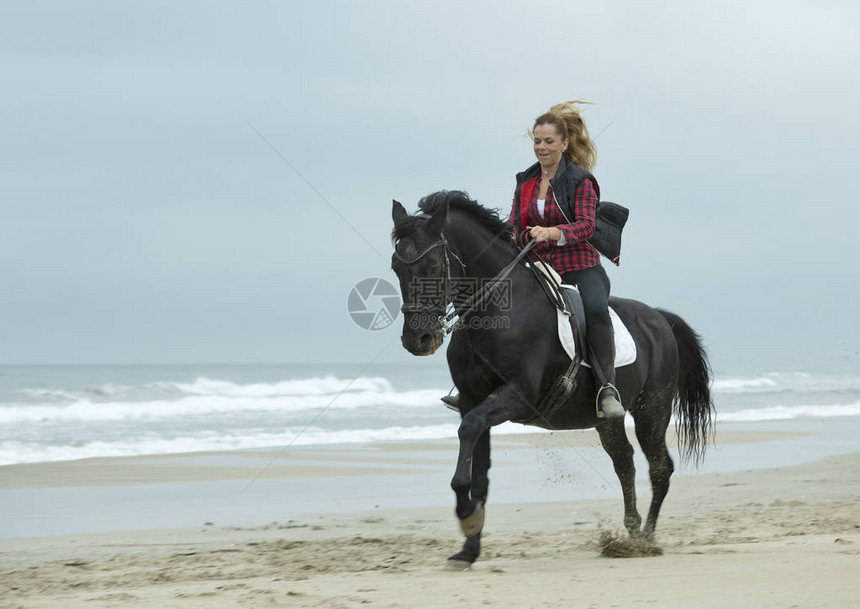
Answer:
[(625, 348)]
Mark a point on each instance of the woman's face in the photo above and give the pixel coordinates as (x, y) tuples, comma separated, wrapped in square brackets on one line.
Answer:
[(549, 146)]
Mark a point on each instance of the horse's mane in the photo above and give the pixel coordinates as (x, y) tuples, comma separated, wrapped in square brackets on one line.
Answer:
[(456, 200)]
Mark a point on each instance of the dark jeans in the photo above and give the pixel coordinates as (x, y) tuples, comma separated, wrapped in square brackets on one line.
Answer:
[(594, 286)]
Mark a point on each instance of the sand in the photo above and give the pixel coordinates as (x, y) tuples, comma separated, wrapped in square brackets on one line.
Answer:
[(777, 537)]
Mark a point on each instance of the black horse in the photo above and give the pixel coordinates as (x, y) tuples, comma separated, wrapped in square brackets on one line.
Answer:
[(502, 369)]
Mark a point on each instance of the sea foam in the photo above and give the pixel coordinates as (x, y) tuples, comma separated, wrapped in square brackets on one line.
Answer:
[(204, 414), (201, 405), (12, 452)]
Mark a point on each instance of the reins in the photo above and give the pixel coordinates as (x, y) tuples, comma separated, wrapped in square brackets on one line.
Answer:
[(480, 296), (473, 302)]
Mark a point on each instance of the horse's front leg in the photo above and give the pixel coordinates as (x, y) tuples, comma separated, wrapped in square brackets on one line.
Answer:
[(478, 498), (470, 482)]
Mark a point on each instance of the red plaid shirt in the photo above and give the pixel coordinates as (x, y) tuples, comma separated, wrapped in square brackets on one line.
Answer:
[(576, 254)]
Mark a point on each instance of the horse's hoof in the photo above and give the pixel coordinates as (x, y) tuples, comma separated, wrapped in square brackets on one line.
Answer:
[(456, 564), (474, 523)]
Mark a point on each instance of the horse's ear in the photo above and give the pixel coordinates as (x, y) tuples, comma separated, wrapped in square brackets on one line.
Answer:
[(437, 220), (398, 213)]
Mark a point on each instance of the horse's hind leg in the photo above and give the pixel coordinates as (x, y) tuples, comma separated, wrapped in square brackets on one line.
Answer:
[(651, 425), (615, 443)]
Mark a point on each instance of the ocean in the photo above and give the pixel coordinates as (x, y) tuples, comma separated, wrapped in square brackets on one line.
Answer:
[(55, 413)]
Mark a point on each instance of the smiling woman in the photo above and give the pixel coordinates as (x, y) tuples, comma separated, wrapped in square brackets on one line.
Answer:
[(555, 203)]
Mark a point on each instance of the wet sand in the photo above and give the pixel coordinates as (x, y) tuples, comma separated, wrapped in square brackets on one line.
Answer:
[(765, 537)]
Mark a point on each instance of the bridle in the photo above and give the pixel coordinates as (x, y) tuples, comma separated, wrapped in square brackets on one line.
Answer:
[(445, 318), (442, 314)]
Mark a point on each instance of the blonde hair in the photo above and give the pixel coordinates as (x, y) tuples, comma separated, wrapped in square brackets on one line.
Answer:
[(567, 119)]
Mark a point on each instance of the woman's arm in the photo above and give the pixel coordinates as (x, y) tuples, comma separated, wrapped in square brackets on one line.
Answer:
[(584, 206), (514, 218)]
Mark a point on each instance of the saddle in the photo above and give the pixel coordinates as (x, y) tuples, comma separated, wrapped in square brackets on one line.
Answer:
[(565, 298)]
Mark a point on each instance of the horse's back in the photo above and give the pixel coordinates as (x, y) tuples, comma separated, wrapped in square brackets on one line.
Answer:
[(649, 328), (656, 349)]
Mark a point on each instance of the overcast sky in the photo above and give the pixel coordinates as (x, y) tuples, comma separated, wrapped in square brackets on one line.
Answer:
[(144, 220)]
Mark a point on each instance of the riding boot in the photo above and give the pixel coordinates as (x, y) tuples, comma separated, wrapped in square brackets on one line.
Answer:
[(601, 343), (452, 401)]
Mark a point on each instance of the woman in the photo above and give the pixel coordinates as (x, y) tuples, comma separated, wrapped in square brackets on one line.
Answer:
[(554, 204)]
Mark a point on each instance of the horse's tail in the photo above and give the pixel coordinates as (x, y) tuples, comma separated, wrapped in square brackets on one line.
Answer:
[(694, 407)]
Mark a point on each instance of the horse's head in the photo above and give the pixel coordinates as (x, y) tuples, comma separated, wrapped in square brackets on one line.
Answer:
[(421, 265)]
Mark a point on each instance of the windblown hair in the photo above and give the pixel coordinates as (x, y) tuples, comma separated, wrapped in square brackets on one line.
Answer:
[(567, 119), (456, 200)]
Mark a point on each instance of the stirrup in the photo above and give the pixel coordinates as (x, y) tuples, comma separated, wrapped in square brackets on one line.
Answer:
[(608, 406), (452, 402)]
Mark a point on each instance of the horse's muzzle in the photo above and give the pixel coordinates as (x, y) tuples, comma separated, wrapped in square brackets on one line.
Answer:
[(424, 343)]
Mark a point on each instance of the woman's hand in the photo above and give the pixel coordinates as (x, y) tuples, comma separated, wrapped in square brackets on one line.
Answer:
[(543, 233)]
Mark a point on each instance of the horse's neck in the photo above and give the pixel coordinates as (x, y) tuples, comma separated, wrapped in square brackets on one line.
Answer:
[(486, 257), (484, 254)]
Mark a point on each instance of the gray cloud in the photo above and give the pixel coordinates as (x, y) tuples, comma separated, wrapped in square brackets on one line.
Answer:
[(143, 221)]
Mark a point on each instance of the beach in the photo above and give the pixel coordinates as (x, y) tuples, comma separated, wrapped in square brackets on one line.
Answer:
[(360, 525), (241, 241)]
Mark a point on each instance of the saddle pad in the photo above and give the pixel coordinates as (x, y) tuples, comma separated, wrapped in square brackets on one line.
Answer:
[(625, 348)]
